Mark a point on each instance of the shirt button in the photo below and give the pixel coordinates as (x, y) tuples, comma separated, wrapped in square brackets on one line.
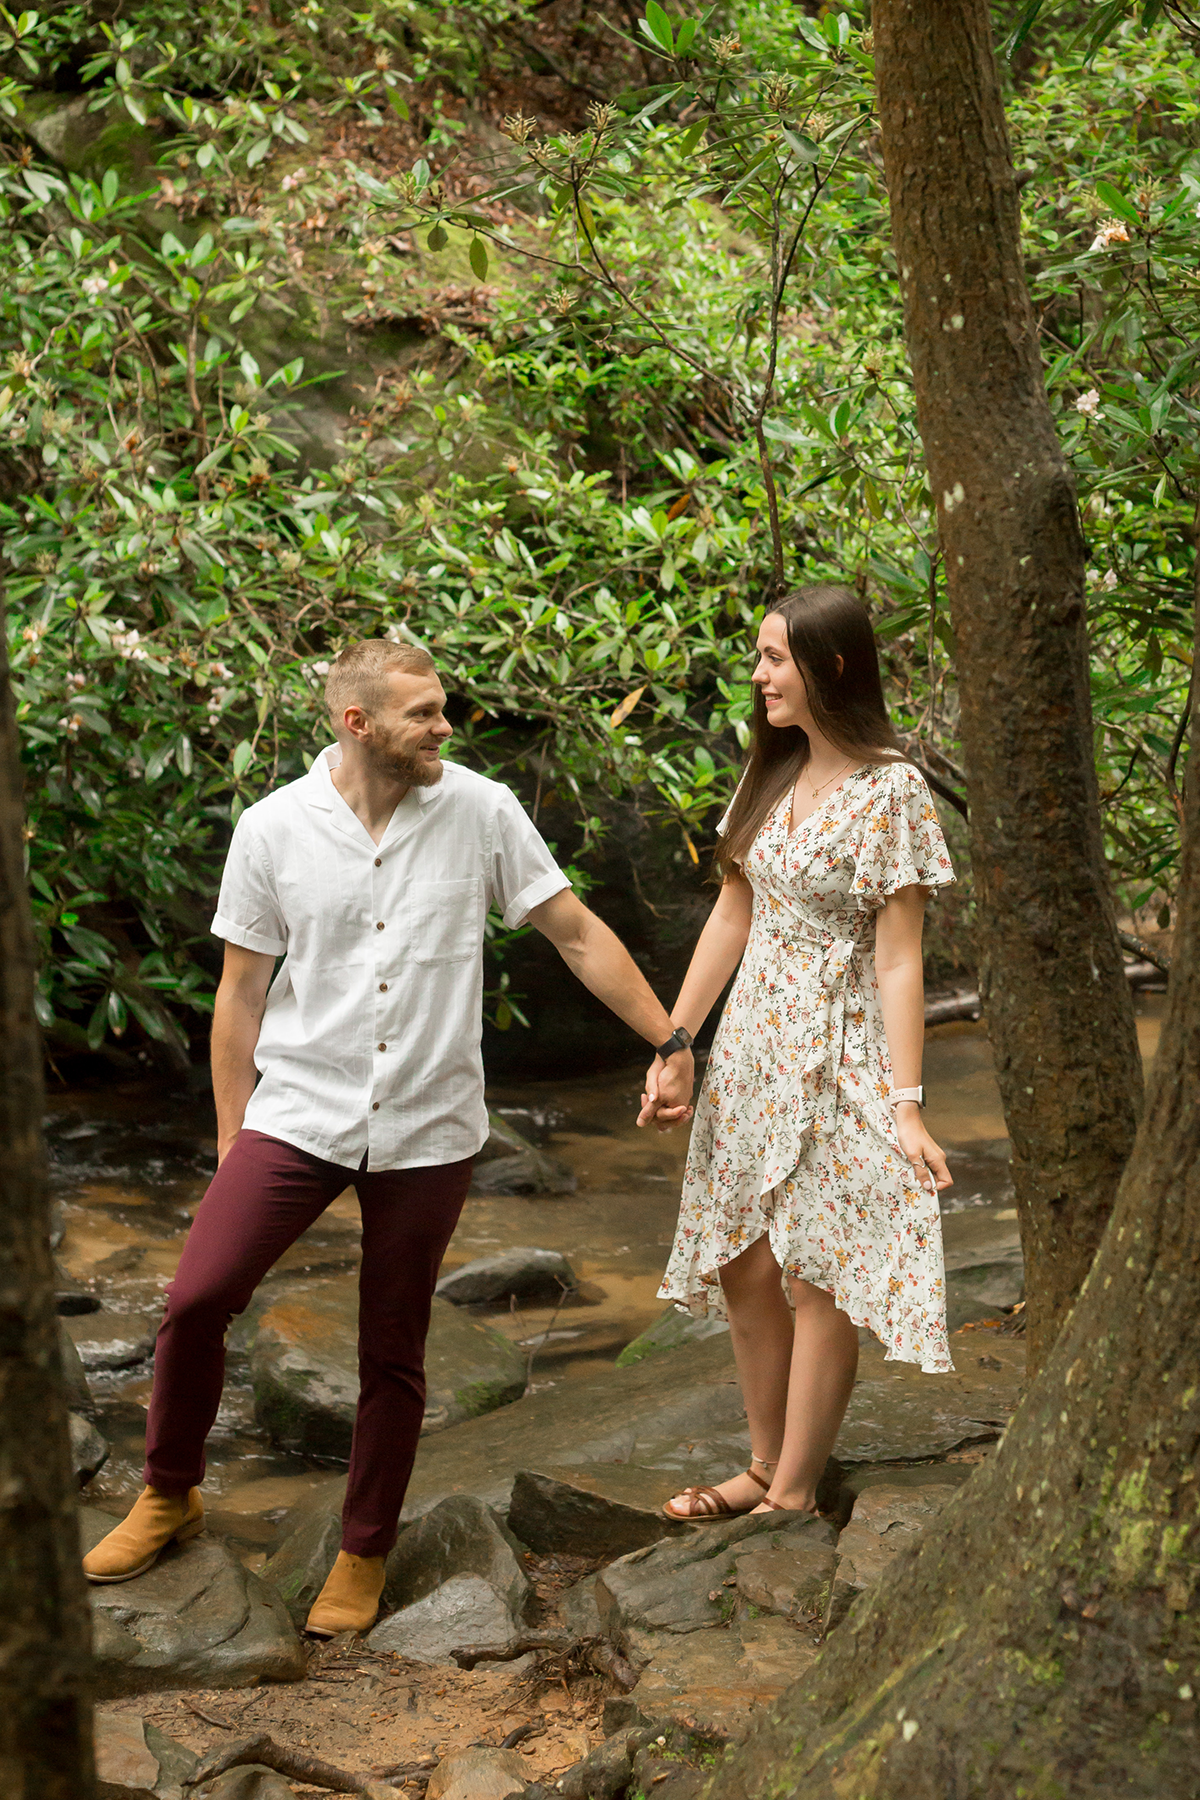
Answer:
[(379, 927), (378, 862), (383, 1046), (374, 1106), (383, 987)]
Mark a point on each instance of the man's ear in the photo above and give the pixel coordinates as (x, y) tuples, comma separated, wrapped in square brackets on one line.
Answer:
[(356, 722)]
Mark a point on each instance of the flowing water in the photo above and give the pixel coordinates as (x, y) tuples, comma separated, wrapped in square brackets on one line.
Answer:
[(130, 1167)]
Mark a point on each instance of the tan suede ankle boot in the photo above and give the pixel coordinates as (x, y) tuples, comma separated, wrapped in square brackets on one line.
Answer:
[(153, 1522), (349, 1601)]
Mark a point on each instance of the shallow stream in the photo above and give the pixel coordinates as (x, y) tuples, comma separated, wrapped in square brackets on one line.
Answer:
[(130, 1166)]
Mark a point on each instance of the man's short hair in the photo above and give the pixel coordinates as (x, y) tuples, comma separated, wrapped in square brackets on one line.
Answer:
[(359, 676)]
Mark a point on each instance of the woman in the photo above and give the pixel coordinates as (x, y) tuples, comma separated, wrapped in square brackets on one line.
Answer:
[(810, 1199)]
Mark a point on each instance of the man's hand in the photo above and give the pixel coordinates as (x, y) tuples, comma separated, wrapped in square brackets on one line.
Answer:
[(668, 1092)]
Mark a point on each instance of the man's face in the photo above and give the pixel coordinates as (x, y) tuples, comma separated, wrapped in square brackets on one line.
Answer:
[(405, 734)]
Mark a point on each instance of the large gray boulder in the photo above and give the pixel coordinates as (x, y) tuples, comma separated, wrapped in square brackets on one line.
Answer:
[(689, 1584), (983, 1290), (535, 1276), (304, 1367), (196, 1619), (460, 1536), (586, 1514), (464, 1610)]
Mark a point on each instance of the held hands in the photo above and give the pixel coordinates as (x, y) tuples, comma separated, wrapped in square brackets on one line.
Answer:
[(927, 1159), (668, 1093)]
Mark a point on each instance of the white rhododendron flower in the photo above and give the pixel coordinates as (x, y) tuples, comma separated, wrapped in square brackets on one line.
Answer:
[(1111, 232), (1089, 404)]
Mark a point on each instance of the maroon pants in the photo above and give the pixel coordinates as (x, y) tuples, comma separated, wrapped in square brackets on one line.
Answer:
[(262, 1197)]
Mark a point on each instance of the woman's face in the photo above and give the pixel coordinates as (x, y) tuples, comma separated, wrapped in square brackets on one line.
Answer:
[(779, 679)]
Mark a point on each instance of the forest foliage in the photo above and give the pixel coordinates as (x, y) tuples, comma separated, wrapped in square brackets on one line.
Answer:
[(633, 354)]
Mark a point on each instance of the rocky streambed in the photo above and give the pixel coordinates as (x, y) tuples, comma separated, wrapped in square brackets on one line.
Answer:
[(564, 1407)]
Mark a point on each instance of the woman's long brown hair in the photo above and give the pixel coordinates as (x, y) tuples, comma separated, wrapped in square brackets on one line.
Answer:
[(823, 623)]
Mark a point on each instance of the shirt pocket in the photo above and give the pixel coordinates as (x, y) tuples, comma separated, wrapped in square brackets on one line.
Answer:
[(444, 922)]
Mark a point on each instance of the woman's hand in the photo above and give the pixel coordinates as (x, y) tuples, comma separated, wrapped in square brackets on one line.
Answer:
[(926, 1157), (667, 1096)]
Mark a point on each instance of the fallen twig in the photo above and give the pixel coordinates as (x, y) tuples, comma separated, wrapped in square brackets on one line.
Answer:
[(518, 1734), (209, 1718), (296, 1765)]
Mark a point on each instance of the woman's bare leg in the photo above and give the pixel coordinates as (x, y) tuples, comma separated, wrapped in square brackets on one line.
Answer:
[(760, 1325), (824, 1362)]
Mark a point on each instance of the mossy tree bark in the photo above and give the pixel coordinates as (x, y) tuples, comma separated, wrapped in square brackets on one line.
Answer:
[(45, 1720), (1043, 1638), (1058, 1008)]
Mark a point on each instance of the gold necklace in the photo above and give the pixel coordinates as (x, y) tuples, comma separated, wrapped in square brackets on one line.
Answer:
[(816, 790)]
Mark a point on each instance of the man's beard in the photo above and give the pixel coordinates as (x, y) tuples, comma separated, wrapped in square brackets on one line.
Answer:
[(388, 759)]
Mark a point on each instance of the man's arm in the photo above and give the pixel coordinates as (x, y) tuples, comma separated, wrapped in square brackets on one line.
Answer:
[(603, 964), (237, 1019)]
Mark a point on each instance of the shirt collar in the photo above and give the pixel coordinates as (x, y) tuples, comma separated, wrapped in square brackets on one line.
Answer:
[(322, 792)]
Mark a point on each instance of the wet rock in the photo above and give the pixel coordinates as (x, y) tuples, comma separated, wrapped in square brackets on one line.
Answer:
[(74, 1376), (656, 1772), (460, 1536), (793, 1582), (71, 1298), (686, 1585), (898, 1414), (137, 1761), (196, 1619), (297, 1569), (636, 1435), (579, 1610), (716, 1679), (983, 1290), (304, 1367), (911, 1479), (478, 1775), (464, 1610), (577, 1517), (530, 1275), (605, 1773), (108, 1340), (89, 1451), (510, 1164), (670, 1332), (886, 1520)]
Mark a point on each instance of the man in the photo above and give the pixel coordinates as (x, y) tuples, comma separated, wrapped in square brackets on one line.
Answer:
[(371, 877)]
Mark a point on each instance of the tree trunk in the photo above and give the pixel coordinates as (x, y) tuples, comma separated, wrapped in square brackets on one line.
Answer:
[(45, 1719), (1042, 1638), (1058, 1008)]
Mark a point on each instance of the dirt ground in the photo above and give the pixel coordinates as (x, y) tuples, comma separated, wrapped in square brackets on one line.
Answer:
[(374, 1714)]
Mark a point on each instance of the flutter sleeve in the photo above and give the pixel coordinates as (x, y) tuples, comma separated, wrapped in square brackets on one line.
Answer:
[(902, 843)]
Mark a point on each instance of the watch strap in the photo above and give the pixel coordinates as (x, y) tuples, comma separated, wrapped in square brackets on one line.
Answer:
[(678, 1040), (916, 1094)]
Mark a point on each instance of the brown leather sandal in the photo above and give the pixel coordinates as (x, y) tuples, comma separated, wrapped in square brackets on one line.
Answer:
[(713, 1505)]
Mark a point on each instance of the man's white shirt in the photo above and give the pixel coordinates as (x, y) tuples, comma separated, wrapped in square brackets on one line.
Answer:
[(370, 1040)]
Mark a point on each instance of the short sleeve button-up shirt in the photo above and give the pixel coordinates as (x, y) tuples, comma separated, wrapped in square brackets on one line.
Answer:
[(370, 1040)]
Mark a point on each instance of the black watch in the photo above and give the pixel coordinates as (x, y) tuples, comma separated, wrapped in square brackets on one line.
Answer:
[(678, 1040)]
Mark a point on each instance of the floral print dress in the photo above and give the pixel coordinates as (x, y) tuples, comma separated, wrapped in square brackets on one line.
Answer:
[(793, 1136)]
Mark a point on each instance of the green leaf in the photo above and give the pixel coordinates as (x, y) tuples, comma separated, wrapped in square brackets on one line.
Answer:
[(684, 36), (657, 27), (438, 238), (398, 103), (257, 151), (241, 758), (1113, 197), (110, 187), (479, 258)]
